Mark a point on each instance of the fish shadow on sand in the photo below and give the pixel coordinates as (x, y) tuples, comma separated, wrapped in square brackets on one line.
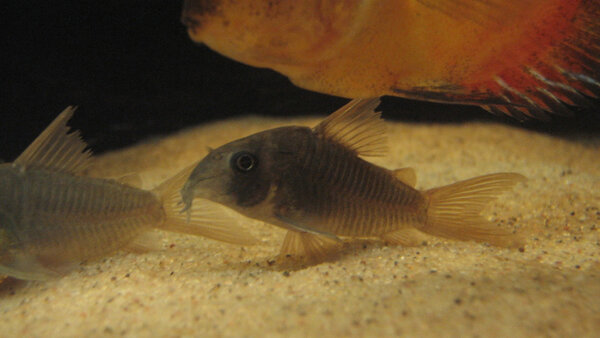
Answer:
[(289, 263), (9, 285)]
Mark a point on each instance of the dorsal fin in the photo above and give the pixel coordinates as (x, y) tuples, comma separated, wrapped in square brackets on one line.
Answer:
[(56, 149), (406, 175), (357, 126)]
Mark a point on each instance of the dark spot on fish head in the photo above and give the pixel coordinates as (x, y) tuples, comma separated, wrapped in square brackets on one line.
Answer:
[(260, 162), (242, 174)]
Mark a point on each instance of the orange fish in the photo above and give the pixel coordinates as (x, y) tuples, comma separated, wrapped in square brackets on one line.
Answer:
[(524, 58)]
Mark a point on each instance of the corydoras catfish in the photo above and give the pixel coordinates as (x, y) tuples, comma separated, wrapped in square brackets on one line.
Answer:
[(52, 218), (314, 183), (518, 57)]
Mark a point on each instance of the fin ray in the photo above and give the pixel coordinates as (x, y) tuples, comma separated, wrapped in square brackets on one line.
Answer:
[(454, 210)]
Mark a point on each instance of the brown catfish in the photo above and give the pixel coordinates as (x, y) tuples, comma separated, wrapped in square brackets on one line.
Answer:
[(314, 183), (52, 218)]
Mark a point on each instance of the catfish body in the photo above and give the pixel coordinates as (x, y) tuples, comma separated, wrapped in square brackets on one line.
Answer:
[(314, 183), (55, 217), (518, 57), (52, 217)]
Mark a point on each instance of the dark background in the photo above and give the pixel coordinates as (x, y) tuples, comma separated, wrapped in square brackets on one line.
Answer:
[(134, 73)]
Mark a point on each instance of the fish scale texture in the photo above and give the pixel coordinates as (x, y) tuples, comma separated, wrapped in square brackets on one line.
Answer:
[(195, 286)]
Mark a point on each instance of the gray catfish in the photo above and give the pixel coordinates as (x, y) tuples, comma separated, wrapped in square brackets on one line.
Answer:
[(315, 183), (52, 218)]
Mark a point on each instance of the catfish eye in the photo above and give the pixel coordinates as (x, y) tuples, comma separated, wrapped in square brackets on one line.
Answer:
[(244, 162)]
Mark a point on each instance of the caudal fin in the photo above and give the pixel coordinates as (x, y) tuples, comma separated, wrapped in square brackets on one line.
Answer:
[(205, 218), (454, 210)]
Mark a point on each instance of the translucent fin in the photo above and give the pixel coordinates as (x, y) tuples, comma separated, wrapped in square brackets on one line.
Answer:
[(204, 218), (28, 268), (357, 126), (56, 149), (146, 242), (454, 210), (405, 237), (308, 246), (407, 176)]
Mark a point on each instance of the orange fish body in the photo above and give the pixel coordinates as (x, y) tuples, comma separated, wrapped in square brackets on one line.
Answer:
[(518, 57)]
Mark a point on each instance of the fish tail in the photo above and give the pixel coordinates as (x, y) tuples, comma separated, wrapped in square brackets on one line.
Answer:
[(204, 218), (454, 210)]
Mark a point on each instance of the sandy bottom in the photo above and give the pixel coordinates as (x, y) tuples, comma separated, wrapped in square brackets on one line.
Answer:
[(195, 286)]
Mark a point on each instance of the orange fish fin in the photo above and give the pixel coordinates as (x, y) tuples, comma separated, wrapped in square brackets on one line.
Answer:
[(57, 149), (304, 245), (28, 267), (357, 126), (405, 237), (549, 64), (204, 218), (454, 210), (406, 175)]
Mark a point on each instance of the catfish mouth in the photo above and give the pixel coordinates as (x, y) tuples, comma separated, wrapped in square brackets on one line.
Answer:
[(188, 192)]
